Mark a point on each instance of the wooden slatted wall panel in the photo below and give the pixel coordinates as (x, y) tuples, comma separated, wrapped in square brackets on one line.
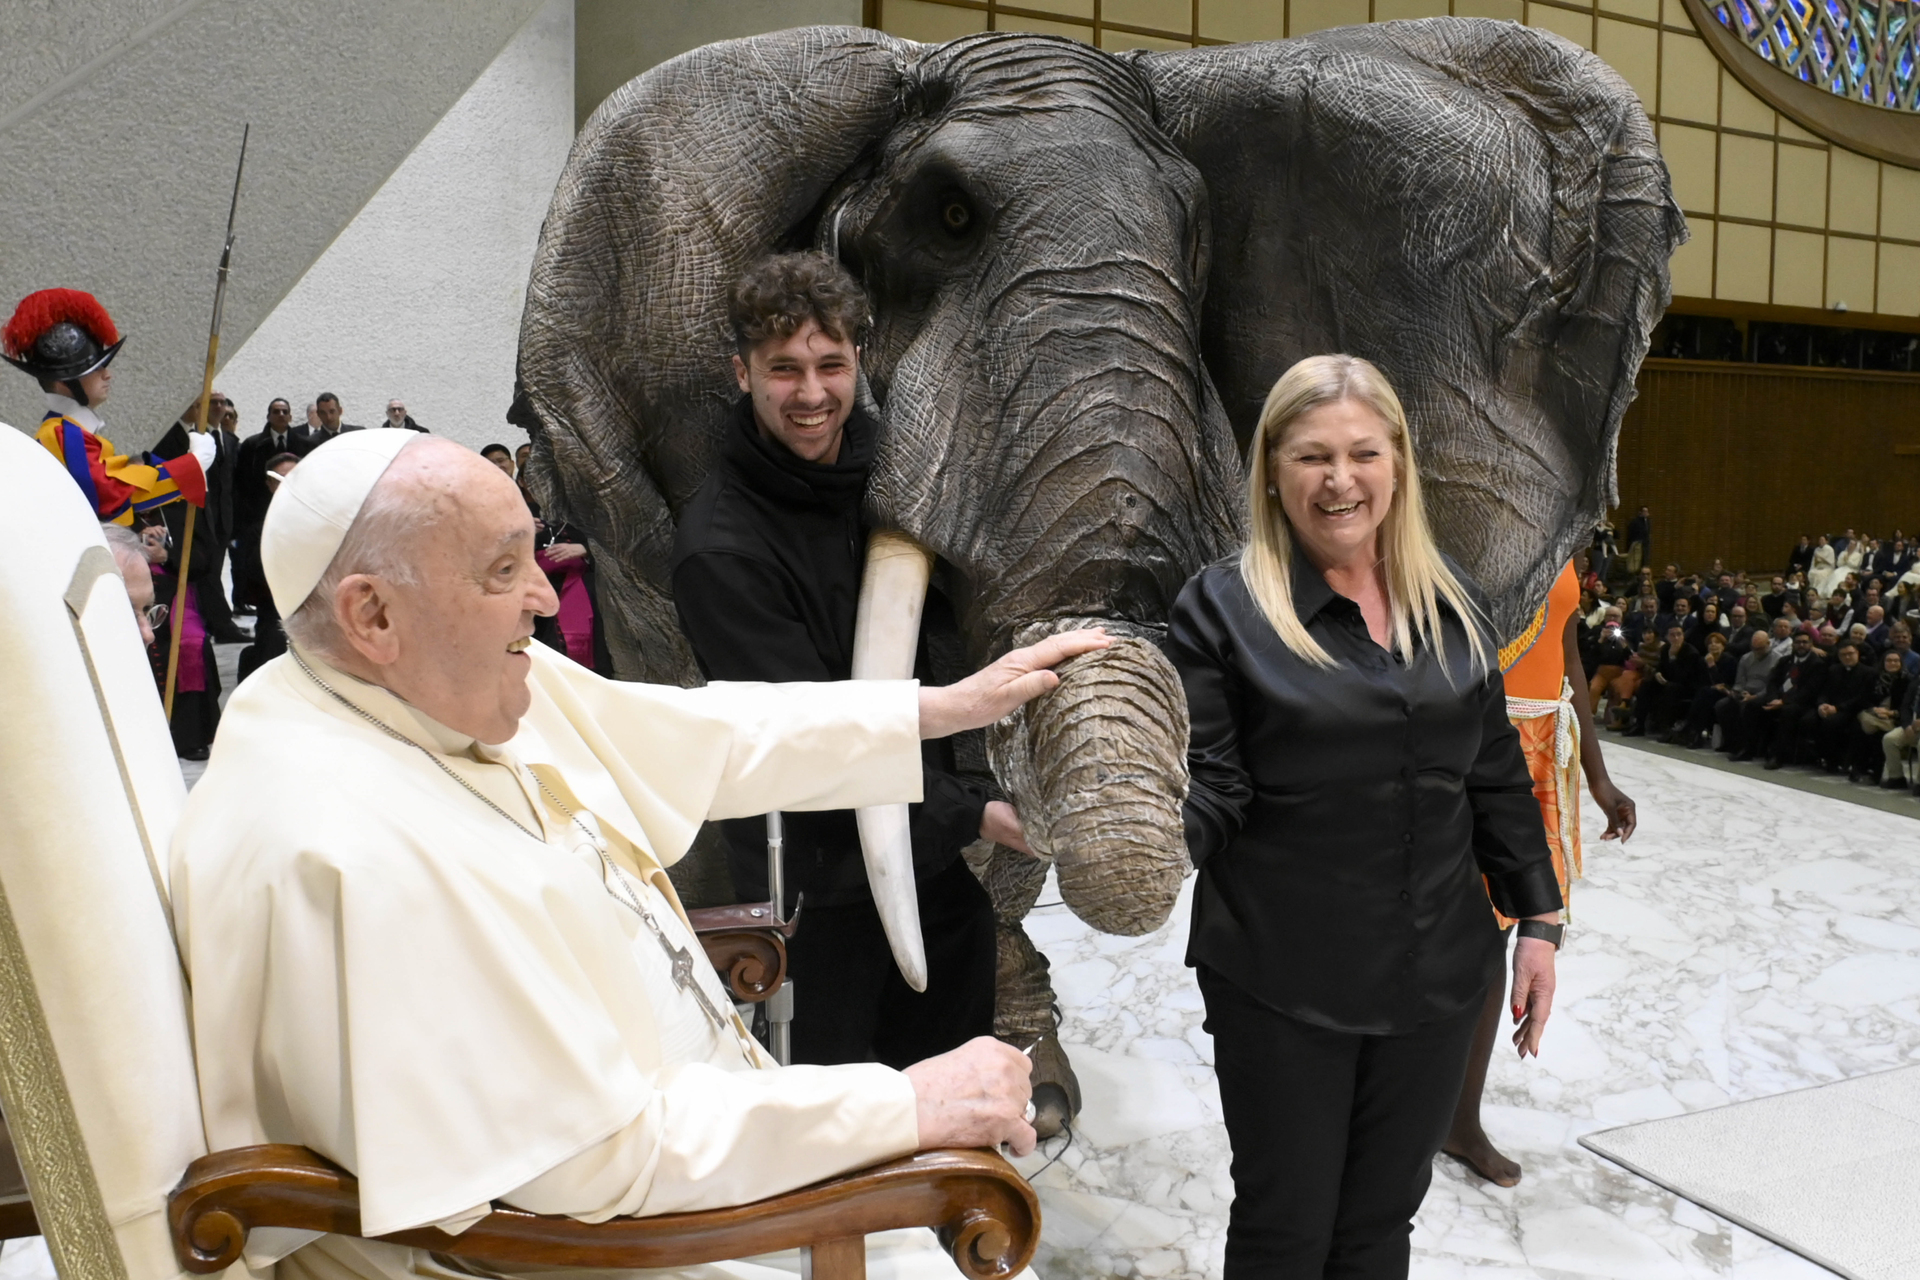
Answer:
[(1737, 460)]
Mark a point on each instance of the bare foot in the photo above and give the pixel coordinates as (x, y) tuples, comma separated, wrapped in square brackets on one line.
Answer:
[(1478, 1154)]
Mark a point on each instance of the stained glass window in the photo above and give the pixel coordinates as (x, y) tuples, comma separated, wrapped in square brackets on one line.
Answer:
[(1859, 49)]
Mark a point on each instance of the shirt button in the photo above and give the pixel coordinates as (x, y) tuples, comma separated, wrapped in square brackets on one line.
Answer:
[(1407, 838), (1409, 711), (1405, 896)]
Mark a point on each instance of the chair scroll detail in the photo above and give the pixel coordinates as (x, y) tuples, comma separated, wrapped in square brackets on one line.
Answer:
[(745, 944), (984, 1212)]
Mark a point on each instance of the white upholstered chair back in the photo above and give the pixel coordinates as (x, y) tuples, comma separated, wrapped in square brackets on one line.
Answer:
[(96, 1057)]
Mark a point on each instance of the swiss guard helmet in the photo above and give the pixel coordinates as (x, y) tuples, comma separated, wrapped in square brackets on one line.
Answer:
[(60, 335)]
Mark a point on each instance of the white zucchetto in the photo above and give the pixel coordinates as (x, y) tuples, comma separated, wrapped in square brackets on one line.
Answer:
[(316, 504)]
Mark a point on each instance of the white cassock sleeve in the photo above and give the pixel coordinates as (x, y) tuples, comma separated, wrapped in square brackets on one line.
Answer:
[(679, 757), (711, 1138)]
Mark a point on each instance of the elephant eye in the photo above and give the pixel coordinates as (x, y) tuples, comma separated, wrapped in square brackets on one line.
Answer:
[(957, 216)]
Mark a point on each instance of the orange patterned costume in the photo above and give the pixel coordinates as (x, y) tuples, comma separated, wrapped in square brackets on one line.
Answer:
[(1540, 705)]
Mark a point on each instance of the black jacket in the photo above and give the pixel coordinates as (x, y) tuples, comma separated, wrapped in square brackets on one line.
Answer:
[(766, 579), (1796, 680), (1342, 820), (216, 518), (250, 493), (1848, 689), (1685, 672)]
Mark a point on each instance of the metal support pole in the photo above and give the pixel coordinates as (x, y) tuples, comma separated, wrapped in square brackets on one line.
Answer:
[(780, 1005)]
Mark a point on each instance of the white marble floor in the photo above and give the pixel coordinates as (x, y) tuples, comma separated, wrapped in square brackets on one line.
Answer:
[(1749, 940)]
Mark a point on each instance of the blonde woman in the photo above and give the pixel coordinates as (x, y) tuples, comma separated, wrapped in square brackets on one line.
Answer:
[(1354, 776)]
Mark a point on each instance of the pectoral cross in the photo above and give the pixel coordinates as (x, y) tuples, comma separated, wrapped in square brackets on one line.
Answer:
[(683, 975)]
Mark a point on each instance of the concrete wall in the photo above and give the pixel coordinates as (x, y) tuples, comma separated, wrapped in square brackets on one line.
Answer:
[(119, 123), (420, 296), (621, 38)]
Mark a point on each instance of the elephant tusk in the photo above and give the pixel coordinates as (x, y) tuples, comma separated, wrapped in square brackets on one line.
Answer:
[(886, 636)]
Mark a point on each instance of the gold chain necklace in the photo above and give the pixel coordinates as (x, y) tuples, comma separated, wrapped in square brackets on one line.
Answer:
[(680, 959)]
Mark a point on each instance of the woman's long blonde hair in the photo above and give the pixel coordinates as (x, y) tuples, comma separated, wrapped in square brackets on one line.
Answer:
[(1417, 576)]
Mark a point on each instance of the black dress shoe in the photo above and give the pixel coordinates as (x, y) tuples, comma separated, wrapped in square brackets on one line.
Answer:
[(1773, 762), (198, 753), (1740, 757), (1895, 783)]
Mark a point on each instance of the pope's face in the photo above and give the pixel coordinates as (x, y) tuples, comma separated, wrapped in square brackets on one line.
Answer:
[(462, 630)]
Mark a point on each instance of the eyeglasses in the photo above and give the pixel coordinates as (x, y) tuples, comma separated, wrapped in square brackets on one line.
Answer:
[(156, 614)]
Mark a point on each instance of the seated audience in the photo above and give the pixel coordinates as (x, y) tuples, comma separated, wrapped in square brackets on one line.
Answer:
[(1845, 689), (130, 555), (1619, 694), (1739, 630), (1900, 641), (1839, 614), (1676, 674), (1749, 682), (1607, 657), (1721, 667), (1776, 596), (1878, 718), (1642, 621), (1899, 743), (1769, 723)]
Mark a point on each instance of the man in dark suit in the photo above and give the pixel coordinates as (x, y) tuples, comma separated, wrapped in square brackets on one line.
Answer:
[(1769, 722), (1775, 599), (250, 494), (1639, 540), (327, 406), (216, 521), (1845, 691)]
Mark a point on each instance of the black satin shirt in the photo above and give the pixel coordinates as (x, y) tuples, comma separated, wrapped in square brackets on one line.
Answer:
[(1342, 819)]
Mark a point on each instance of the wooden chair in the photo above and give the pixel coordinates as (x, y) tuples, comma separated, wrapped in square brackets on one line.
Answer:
[(97, 1077)]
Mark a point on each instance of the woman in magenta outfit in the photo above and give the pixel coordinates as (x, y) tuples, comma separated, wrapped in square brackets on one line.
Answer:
[(196, 690), (565, 564), (563, 556)]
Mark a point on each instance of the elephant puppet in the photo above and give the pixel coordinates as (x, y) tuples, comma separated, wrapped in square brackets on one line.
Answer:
[(1086, 270)]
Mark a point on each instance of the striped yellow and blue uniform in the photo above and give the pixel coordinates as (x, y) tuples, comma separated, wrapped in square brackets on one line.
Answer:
[(119, 486)]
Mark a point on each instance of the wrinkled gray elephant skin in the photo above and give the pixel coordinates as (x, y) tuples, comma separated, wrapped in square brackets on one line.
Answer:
[(1086, 271)]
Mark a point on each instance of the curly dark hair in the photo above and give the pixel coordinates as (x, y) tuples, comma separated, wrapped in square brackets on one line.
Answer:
[(782, 291)]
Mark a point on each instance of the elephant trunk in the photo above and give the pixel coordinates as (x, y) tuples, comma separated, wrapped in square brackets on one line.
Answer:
[(1098, 771), (886, 635)]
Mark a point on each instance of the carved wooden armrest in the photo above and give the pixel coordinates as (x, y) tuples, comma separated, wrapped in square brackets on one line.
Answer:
[(745, 944), (985, 1213)]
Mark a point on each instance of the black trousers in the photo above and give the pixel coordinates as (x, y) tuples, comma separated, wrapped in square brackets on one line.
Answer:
[(1333, 1136), (852, 1005)]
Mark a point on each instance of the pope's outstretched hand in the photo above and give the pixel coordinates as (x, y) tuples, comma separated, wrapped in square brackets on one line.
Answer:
[(974, 1096), (1002, 686)]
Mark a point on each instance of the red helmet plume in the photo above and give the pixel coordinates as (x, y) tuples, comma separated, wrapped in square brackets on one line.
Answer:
[(39, 312)]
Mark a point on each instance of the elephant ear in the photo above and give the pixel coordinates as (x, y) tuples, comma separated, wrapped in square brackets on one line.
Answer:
[(1477, 207), (677, 183)]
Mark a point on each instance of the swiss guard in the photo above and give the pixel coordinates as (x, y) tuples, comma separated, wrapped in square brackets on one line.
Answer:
[(66, 340)]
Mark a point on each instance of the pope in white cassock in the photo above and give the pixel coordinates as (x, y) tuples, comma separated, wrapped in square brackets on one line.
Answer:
[(420, 891)]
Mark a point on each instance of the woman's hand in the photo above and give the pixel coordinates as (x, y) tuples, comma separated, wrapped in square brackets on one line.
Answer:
[(1617, 805), (1533, 984), (1000, 823)]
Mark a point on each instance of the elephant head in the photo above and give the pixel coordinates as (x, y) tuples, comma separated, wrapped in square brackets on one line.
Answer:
[(1086, 269)]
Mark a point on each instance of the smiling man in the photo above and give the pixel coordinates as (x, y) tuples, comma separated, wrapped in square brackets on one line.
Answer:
[(452, 961), (766, 578)]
